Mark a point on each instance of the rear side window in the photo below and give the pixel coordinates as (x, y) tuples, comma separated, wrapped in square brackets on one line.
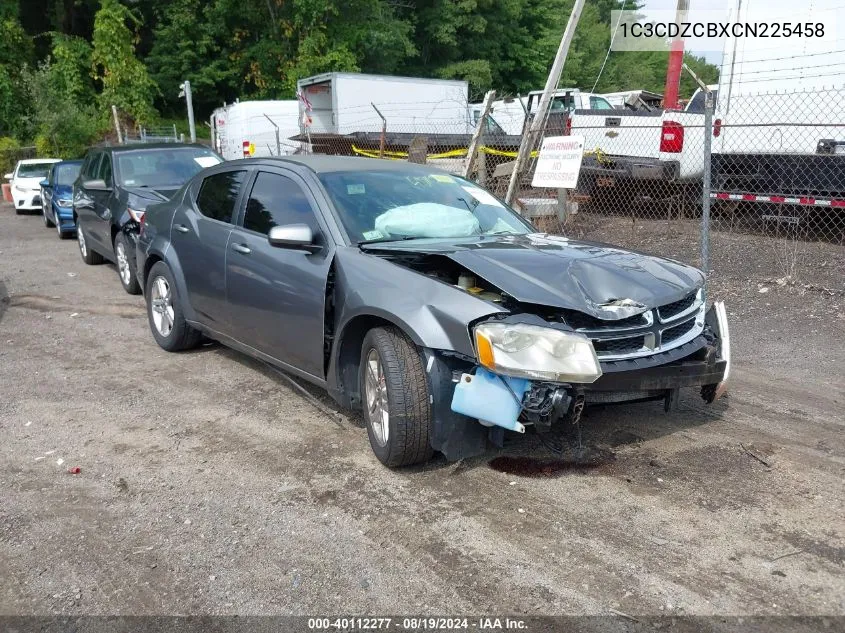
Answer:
[(219, 194), (277, 200), (597, 103)]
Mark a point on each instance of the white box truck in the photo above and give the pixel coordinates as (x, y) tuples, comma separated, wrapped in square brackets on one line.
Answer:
[(246, 128), (342, 103)]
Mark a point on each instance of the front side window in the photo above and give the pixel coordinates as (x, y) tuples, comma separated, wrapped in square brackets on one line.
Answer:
[(89, 166), (104, 172), (163, 167), (395, 205), (219, 194), (277, 200)]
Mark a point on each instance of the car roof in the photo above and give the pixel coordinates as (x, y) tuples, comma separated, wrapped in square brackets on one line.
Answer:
[(36, 161), (141, 147), (321, 164), (74, 161)]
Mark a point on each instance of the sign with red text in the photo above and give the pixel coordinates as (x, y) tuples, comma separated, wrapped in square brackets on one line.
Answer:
[(559, 162)]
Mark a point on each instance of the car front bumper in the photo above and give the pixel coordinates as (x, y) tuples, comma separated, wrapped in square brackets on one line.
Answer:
[(26, 200), (503, 402), (64, 216)]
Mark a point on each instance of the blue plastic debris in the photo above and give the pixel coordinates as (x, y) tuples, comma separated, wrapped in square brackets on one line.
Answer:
[(485, 396)]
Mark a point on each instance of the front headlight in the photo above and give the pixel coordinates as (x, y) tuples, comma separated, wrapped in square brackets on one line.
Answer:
[(65, 203), (540, 353)]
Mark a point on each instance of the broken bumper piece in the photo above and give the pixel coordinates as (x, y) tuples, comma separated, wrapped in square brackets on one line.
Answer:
[(491, 399)]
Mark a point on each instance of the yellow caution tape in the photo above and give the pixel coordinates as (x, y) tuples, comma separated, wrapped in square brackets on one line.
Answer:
[(454, 153)]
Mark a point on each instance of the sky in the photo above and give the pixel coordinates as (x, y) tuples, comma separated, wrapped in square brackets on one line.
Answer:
[(698, 8)]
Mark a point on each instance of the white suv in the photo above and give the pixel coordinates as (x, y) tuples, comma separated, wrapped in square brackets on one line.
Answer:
[(26, 182)]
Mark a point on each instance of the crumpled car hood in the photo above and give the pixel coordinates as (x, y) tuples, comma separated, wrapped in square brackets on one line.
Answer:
[(559, 272)]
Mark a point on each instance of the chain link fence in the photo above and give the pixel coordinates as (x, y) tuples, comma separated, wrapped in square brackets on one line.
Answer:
[(776, 192)]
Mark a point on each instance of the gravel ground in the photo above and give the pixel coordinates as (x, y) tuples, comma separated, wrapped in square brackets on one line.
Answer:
[(208, 485)]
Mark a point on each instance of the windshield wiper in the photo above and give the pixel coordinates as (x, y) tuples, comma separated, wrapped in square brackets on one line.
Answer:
[(380, 240)]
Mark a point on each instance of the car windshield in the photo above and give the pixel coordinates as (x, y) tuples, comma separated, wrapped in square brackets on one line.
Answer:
[(66, 174), (395, 205), (162, 167), (34, 170)]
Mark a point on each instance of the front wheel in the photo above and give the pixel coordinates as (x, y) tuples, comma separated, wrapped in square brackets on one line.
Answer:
[(395, 397), (126, 266), (164, 311), (47, 221)]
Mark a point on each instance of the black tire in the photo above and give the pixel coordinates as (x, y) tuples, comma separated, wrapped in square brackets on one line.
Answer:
[(19, 211), (88, 256), (181, 335), (408, 399), (130, 285)]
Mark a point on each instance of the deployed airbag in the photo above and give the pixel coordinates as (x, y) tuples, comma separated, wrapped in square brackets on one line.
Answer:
[(427, 219)]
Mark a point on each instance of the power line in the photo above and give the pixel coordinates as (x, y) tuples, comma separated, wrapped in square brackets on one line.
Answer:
[(609, 46), (775, 59)]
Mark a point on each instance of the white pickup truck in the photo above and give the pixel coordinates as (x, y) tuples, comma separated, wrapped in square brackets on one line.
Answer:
[(654, 149), (509, 114)]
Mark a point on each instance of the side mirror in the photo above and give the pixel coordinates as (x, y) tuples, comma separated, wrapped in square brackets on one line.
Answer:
[(96, 185), (9, 176), (294, 237), (44, 183)]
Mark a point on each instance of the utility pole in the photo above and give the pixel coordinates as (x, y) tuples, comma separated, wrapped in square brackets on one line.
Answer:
[(117, 125), (676, 61), (185, 91), (530, 139), (489, 97)]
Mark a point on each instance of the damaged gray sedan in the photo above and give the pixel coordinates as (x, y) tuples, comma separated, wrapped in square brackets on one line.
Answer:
[(421, 299)]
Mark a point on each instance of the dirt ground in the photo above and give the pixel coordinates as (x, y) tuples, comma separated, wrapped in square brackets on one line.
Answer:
[(208, 485)]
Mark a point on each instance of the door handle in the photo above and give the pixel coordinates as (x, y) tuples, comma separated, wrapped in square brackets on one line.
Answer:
[(182, 228), (241, 248)]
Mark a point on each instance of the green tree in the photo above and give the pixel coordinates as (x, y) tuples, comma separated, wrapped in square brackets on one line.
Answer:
[(64, 126), (15, 54), (123, 78)]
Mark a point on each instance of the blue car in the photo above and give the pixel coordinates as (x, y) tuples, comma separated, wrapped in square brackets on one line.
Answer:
[(57, 197)]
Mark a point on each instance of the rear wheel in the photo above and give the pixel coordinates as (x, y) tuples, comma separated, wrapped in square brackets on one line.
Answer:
[(126, 266), (88, 256), (164, 312), (395, 397)]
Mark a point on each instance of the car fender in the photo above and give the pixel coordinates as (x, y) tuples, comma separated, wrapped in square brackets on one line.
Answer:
[(159, 248), (434, 314)]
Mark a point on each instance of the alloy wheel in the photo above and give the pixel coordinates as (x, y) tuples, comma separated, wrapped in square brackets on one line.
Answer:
[(161, 302), (123, 264), (375, 388), (80, 237)]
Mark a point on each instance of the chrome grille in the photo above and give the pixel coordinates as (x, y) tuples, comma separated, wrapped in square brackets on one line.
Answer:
[(657, 330), (619, 345), (677, 331)]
